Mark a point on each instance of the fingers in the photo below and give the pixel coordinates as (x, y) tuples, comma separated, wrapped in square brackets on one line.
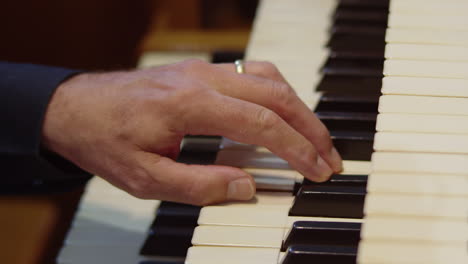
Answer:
[(193, 184), (254, 124), (268, 88)]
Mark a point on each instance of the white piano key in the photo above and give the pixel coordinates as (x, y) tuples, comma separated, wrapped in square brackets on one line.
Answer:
[(434, 7), (419, 142), (420, 163), (275, 34), (259, 216), (372, 251), (441, 207), (423, 105), (280, 180), (231, 255), (428, 21), (356, 167), (264, 198), (388, 122), (426, 52), (425, 86), (415, 229), (256, 216), (418, 183), (435, 69), (426, 36), (238, 236)]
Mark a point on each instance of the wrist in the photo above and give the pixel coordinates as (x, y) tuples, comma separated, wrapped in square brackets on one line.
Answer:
[(57, 114)]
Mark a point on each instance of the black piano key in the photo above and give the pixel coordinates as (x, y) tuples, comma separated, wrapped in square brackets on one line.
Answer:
[(351, 71), (353, 145), (365, 3), (201, 143), (354, 67), (303, 254), (348, 102), (323, 233), (341, 180), (349, 53), (359, 63), (176, 214), (168, 241), (343, 106), (171, 232), (353, 121), (363, 39), (197, 157), (362, 30), (335, 180), (349, 83), (345, 15), (199, 150), (350, 97), (349, 15), (329, 201)]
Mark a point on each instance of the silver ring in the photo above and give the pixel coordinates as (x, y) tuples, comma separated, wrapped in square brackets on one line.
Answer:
[(239, 66)]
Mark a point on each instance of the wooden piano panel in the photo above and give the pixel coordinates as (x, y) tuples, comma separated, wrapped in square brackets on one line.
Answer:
[(32, 227)]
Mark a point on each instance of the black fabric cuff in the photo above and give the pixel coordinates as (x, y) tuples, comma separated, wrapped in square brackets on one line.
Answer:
[(25, 91)]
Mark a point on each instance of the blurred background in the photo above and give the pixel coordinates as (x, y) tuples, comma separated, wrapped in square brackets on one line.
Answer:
[(110, 34)]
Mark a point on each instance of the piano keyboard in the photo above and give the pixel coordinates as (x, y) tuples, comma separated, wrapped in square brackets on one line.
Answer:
[(305, 222), (416, 198), (417, 201)]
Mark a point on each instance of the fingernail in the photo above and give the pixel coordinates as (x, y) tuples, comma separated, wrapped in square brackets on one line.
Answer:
[(240, 189), (324, 170), (337, 163)]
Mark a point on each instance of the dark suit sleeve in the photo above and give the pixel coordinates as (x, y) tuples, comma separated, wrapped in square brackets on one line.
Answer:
[(25, 91)]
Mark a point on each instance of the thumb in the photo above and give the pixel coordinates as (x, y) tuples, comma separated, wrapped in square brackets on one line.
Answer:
[(195, 184)]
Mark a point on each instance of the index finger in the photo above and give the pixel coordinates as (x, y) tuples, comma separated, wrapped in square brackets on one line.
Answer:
[(274, 93), (254, 124)]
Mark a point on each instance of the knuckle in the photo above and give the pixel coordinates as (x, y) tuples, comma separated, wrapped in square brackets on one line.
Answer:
[(267, 119), (309, 153), (304, 153), (282, 93), (195, 92), (324, 138)]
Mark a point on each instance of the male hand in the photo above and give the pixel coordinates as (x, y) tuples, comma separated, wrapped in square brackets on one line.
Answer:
[(127, 127)]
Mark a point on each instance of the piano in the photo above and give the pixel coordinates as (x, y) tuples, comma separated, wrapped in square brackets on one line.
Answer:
[(390, 80)]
